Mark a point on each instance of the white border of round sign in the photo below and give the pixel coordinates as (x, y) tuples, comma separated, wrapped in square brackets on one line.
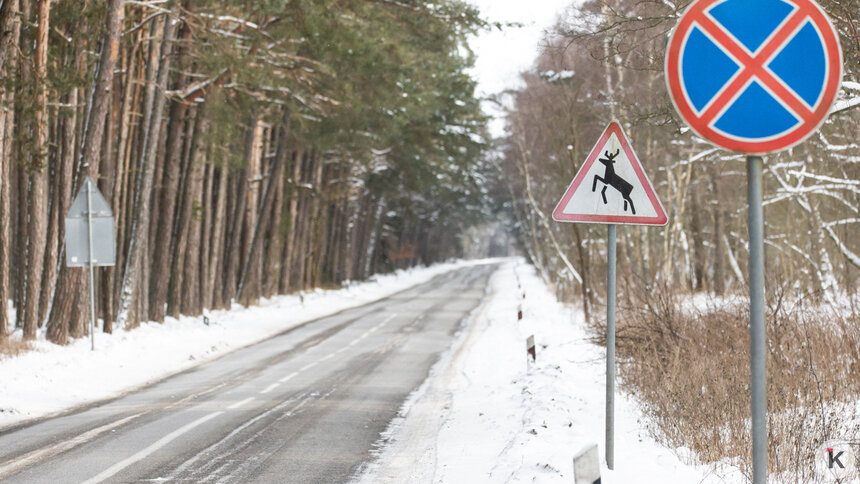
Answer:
[(696, 13)]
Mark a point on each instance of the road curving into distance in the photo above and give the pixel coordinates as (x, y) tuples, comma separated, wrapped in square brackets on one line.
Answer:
[(305, 406)]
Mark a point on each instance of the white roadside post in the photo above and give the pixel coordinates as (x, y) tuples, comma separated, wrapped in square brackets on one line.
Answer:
[(754, 80), (613, 164), (89, 238), (586, 465), (531, 352)]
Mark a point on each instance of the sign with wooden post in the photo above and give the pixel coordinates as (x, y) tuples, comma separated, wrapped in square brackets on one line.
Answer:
[(89, 238), (754, 76), (612, 163)]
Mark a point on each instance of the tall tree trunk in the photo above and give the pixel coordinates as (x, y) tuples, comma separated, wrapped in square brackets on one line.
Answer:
[(718, 278), (167, 205), (38, 210), (9, 31), (62, 199), (6, 121), (237, 220), (253, 258), (698, 244), (374, 237), (188, 251), (22, 200), (274, 261), (108, 185), (187, 226), (206, 230), (289, 257), (133, 300), (127, 130), (165, 235), (213, 290)]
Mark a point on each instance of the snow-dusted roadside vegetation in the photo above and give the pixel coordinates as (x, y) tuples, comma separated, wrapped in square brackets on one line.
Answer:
[(690, 368)]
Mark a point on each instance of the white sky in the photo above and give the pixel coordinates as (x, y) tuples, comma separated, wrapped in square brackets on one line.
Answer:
[(501, 56)]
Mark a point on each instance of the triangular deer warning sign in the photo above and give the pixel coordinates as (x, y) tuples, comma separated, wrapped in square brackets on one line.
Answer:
[(611, 187)]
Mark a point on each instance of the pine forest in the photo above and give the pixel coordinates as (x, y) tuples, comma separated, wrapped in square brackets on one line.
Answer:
[(246, 149)]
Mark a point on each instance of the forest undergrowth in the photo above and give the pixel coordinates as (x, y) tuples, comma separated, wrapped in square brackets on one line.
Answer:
[(686, 360), (13, 347)]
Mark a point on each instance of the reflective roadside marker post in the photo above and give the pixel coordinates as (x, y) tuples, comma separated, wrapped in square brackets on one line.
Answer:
[(754, 76), (89, 238), (611, 188)]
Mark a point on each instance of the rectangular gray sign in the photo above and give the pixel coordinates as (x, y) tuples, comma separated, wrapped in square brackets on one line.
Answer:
[(77, 243)]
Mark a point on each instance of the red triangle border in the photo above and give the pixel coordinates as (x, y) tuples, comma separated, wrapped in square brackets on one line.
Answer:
[(614, 128)]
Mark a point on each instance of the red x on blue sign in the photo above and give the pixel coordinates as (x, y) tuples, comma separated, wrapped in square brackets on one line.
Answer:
[(754, 75)]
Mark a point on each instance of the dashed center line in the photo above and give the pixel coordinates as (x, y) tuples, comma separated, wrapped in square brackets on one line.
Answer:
[(114, 469), (38, 455), (288, 377), (324, 358), (270, 388), (239, 404)]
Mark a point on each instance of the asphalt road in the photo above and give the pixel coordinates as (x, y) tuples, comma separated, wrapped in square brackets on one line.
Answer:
[(305, 406)]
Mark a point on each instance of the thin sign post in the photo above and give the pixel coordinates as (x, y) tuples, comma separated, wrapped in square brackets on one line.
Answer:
[(758, 372), (610, 348), (613, 164), (92, 266), (754, 76)]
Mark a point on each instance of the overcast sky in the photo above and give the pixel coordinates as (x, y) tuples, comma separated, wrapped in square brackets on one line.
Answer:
[(501, 56)]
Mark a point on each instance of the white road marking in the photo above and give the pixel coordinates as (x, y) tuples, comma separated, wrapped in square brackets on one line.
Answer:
[(207, 453), (119, 466), (239, 404), (324, 358), (270, 388), (45, 452), (291, 375)]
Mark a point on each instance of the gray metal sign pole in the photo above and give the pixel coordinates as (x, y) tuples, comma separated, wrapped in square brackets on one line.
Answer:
[(757, 324), (91, 264), (610, 350)]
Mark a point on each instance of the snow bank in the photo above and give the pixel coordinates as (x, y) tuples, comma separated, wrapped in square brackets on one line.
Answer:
[(53, 378), (485, 416)]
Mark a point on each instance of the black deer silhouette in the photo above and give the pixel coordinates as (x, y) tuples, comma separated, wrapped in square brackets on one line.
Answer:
[(610, 178)]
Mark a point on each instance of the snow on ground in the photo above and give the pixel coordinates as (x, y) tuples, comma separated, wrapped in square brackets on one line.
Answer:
[(53, 378), (485, 416)]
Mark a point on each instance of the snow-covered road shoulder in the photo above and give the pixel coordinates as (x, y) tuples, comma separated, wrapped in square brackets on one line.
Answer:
[(51, 378), (485, 416)]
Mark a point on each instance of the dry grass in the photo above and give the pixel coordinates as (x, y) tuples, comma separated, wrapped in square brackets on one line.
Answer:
[(690, 368), (11, 347)]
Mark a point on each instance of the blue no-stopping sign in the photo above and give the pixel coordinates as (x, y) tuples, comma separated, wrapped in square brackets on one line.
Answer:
[(754, 75)]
